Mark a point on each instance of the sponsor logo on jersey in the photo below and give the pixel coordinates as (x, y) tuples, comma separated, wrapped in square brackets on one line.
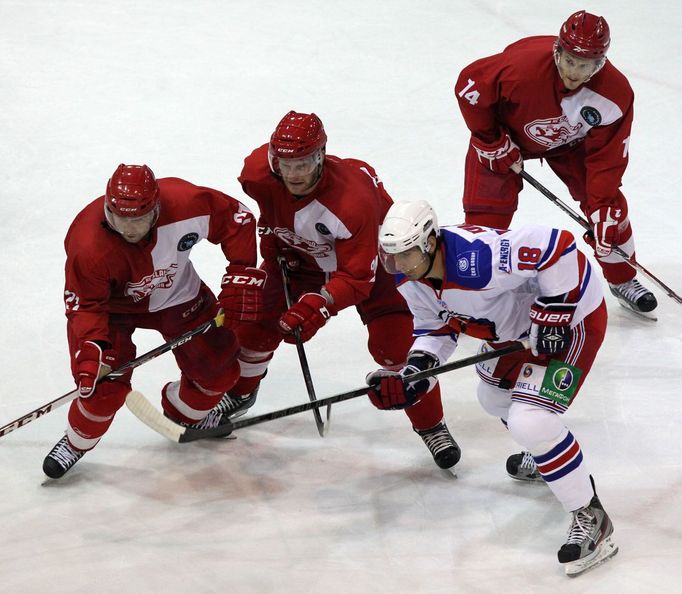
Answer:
[(187, 241), (527, 371), (560, 382), (591, 115), (552, 132), (159, 279), (322, 229), (468, 264), (505, 256), (308, 246)]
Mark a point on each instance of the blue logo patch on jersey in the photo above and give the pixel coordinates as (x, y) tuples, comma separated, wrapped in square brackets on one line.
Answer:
[(467, 264), (322, 228), (187, 241), (591, 115)]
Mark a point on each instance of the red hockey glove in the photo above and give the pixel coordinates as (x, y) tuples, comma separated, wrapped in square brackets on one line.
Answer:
[(308, 315), (92, 362), (605, 221), (497, 156), (241, 297), (550, 329), (391, 390)]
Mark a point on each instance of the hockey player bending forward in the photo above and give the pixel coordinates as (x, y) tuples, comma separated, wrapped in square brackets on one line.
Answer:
[(322, 215), (501, 286), (561, 100), (128, 267)]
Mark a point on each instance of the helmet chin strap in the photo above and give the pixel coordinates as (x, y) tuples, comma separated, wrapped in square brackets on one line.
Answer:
[(432, 259)]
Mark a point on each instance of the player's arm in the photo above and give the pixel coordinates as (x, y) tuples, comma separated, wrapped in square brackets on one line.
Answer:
[(478, 94)]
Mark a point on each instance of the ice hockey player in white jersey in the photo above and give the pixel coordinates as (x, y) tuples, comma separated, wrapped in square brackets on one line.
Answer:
[(500, 286)]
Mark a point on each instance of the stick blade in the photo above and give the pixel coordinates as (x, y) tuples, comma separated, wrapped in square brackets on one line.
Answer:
[(150, 416)]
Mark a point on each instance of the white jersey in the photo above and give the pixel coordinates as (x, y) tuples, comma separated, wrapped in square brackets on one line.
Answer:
[(491, 279)]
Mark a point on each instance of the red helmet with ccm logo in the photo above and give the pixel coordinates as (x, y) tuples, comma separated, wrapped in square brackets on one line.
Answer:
[(132, 191), (297, 135)]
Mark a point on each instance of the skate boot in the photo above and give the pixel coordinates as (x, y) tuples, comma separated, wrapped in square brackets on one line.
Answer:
[(590, 540), (633, 296), (441, 444), (236, 406), (522, 467), (61, 458)]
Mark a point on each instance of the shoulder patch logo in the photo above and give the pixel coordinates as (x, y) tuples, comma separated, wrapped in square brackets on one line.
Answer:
[(591, 115), (187, 241), (322, 229)]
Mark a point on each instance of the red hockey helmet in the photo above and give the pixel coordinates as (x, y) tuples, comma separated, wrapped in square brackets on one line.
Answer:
[(297, 135), (585, 35), (132, 191)]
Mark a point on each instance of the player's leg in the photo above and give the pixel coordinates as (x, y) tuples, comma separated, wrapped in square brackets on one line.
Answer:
[(208, 363), (489, 199), (543, 392), (389, 326), (90, 418)]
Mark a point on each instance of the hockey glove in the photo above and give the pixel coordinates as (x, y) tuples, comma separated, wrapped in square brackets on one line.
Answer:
[(392, 390), (93, 360), (306, 317), (241, 295), (497, 156), (550, 329), (605, 221)]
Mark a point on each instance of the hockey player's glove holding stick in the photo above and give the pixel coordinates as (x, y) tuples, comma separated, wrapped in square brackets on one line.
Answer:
[(393, 390)]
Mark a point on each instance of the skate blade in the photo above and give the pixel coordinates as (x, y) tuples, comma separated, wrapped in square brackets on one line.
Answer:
[(525, 479), (604, 552), (649, 316)]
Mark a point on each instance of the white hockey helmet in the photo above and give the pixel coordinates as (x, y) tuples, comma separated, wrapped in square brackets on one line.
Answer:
[(406, 225)]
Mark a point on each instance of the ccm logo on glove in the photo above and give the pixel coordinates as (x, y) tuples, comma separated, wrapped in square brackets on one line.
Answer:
[(241, 279)]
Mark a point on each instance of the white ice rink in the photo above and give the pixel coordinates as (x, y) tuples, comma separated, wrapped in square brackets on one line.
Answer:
[(190, 88)]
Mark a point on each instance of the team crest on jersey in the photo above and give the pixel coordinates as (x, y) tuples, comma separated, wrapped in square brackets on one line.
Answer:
[(552, 132), (322, 229), (312, 248), (467, 264), (591, 115), (159, 279), (187, 241)]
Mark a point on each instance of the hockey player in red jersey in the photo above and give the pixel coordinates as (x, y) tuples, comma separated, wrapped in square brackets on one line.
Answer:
[(128, 267), (501, 286), (322, 214), (561, 100)]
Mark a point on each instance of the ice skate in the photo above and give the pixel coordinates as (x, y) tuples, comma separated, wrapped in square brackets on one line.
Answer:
[(522, 467), (236, 406), (636, 298), (61, 458), (590, 541), (441, 444)]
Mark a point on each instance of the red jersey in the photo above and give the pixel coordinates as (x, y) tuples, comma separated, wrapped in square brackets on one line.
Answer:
[(107, 275), (520, 91), (334, 229)]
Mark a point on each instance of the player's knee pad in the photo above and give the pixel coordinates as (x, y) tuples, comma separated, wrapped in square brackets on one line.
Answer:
[(107, 399), (259, 337), (495, 402), (390, 338), (535, 429)]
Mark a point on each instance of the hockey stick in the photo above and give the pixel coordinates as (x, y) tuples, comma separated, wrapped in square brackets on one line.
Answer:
[(141, 360), (152, 417), (322, 428), (585, 225)]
